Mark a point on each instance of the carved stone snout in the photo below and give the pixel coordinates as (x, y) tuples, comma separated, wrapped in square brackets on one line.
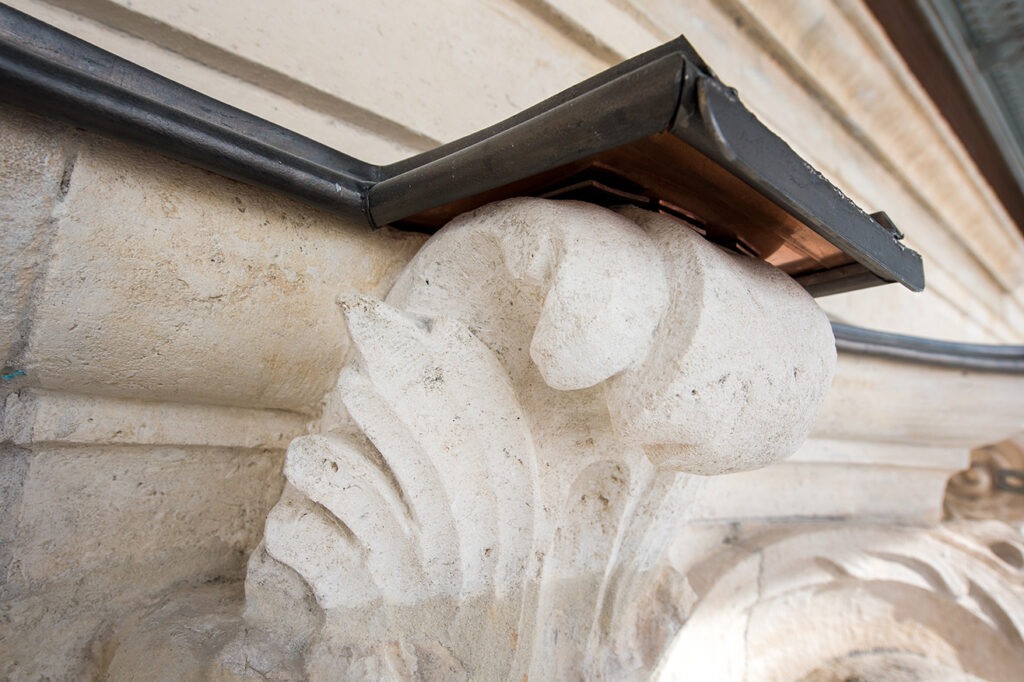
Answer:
[(714, 362), (738, 368)]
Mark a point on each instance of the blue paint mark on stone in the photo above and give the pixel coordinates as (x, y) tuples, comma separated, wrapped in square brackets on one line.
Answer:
[(13, 375)]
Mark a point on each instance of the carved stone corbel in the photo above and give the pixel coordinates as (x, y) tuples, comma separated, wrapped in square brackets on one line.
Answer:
[(846, 602), (498, 476)]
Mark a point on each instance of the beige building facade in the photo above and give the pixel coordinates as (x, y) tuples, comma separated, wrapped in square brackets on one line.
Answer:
[(168, 335)]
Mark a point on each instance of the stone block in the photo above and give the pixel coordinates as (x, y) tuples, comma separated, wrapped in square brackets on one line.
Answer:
[(172, 283), (99, 532), (431, 68), (32, 168), (881, 400), (231, 79)]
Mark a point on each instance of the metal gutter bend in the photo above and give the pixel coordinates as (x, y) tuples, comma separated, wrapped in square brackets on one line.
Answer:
[(658, 131)]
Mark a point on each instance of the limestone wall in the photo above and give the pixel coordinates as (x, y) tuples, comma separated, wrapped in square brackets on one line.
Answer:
[(167, 331)]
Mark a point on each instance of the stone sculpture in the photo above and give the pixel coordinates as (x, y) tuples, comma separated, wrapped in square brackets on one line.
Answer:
[(496, 485), (506, 484)]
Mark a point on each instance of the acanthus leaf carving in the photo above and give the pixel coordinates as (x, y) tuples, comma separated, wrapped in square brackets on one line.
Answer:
[(495, 495)]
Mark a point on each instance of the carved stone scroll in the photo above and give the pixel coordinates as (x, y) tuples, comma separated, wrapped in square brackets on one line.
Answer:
[(498, 479), (849, 602)]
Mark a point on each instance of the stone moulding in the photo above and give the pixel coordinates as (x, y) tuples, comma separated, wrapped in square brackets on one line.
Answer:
[(505, 464), (857, 602)]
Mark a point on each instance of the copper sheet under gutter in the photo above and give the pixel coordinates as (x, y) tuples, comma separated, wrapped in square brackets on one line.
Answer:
[(659, 131)]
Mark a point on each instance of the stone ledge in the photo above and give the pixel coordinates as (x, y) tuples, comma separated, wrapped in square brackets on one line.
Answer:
[(37, 418)]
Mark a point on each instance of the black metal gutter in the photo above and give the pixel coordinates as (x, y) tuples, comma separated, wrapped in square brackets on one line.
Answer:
[(659, 130), (47, 70), (632, 100), (951, 354)]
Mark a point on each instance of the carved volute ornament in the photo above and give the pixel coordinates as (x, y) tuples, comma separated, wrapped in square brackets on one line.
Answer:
[(497, 485), (993, 486), (847, 602)]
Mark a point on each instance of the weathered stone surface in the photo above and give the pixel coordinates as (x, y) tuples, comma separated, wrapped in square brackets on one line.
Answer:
[(897, 402), (148, 289), (176, 637), (696, 393), (792, 603), (261, 90), (888, 438), (484, 503), (32, 170), (740, 364), (821, 488), (34, 417), (91, 534), (170, 283), (436, 55)]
